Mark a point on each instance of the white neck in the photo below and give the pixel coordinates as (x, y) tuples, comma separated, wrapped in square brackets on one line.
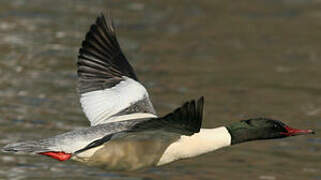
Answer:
[(190, 146)]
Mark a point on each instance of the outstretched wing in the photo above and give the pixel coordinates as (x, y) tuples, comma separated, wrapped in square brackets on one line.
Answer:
[(185, 120), (108, 86)]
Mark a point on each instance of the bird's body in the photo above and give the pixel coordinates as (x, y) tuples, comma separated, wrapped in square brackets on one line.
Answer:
[(125, 131), (139, 150), (129, 151)]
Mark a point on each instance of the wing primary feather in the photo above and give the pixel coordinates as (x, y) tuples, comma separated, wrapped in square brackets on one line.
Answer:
[(199, 111), (186, 120), (101, 51), (107, 82)]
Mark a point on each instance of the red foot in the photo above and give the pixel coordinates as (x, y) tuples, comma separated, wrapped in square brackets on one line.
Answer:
[(60, 156)]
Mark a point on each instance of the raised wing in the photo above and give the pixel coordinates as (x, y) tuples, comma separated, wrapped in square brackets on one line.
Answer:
[(108, 86), (185, 120)]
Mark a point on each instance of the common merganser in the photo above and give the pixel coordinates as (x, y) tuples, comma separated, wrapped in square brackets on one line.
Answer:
[(125, 132)]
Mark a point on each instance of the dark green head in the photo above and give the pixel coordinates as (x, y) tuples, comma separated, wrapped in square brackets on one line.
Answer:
[(261, 128)]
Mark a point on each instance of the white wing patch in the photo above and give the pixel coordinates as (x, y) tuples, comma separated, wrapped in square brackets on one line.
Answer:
[(100, 105)]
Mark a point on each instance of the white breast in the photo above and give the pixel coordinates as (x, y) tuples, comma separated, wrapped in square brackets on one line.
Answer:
[(190, 146)]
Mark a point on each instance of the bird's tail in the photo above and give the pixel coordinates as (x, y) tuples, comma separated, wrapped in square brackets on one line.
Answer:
[(39, 146)]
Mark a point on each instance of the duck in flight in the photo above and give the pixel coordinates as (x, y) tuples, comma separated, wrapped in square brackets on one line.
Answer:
[(125, 131)]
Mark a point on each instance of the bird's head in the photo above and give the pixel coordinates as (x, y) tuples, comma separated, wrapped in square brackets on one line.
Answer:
[(262, 128)]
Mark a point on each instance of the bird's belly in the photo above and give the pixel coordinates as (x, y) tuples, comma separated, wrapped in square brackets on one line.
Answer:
[(124, 154)]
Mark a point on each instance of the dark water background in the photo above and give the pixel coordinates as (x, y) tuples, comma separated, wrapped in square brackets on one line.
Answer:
[(248, 58)]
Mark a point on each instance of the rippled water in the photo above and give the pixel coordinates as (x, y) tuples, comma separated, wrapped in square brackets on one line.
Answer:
[(248, 58)]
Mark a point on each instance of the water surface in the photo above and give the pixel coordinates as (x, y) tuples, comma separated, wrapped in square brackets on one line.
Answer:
[(248, 58)]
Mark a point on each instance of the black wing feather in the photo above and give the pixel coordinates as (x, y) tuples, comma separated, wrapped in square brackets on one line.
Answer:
[(101, 59), (185, 120)]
